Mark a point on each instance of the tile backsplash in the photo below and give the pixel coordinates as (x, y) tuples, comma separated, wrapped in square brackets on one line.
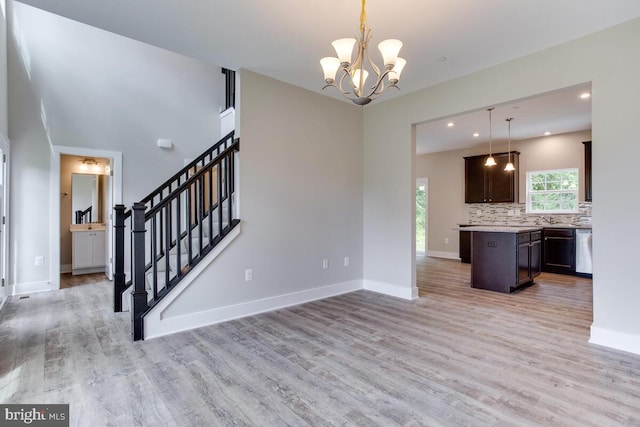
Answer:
[(514, 214)]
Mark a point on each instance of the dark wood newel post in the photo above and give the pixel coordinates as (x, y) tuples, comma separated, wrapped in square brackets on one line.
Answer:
[(139, 294), (119, 278)]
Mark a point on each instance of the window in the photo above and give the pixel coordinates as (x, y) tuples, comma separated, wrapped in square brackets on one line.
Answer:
[(552, 191)]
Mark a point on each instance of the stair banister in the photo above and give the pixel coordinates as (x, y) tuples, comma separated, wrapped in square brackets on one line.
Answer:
[(139, 295), (119, 278)]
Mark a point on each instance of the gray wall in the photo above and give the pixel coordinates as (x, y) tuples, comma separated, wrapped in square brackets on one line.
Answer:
[(75, 85), (445, 171), (4, 127), (610, 60), (300, 198)]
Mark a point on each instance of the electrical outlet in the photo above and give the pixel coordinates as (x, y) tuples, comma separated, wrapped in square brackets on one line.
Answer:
[(478, 212), (325, 264), (446, 240), (517, 212), (346, 261), (510, 212), (39, 260), (248, 275)]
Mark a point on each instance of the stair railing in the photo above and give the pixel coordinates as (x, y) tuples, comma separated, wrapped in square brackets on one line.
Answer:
[(173, 229)]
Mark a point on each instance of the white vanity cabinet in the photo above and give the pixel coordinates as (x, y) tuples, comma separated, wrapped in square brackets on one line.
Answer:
[(88, 251)]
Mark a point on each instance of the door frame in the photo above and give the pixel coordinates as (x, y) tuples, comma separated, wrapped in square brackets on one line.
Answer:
[(4, 210), (54, 192)]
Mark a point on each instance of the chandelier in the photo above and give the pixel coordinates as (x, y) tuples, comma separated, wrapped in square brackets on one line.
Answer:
[(355, 72)]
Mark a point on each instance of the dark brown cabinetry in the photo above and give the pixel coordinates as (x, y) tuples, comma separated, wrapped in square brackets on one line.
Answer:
[(559, 250), (587, 171), (491, 184), (504, 261), (529, 256), (465, 246)]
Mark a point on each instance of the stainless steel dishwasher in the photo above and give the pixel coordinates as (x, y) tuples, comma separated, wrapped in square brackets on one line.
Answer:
[(583, 251)]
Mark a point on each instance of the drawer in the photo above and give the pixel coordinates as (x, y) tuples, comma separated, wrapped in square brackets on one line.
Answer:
[(536, 235), (524, 237), (559, 232)]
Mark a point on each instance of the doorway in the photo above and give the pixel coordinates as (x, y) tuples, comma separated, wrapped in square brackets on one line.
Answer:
[(85, 194), (422, 215), (110, 163)]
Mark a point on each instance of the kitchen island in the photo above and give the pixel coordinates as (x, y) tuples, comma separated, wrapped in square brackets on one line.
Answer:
[(504, 259)]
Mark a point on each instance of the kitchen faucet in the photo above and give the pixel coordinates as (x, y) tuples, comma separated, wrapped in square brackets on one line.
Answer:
[(548, 220)]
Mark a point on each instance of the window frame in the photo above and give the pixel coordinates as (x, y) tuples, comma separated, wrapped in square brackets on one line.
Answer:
[(529, 209)]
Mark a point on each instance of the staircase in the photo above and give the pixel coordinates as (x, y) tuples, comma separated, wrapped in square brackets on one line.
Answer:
[(160, 239)]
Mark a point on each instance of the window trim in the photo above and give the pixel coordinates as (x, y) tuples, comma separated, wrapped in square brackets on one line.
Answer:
[(528, 209)]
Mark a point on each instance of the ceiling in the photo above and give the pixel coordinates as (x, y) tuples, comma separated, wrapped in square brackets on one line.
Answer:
[(557, 112), (443, 39)]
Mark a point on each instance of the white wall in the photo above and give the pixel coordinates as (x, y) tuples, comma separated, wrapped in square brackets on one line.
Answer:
[(445, 171), (75, 85), (300, 200), (608, 59)]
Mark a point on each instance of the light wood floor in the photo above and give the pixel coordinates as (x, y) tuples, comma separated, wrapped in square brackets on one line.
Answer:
[(456, 356), (68, 280)]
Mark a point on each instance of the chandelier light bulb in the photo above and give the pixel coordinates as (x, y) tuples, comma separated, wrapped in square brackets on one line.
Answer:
[(344, 49), (390, 49), (330, 67), (394, 73), (356, 78)]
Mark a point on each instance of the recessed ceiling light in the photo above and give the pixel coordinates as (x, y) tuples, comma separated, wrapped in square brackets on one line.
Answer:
[(547, 133), (475, 135), (585, 95), (450, 124)]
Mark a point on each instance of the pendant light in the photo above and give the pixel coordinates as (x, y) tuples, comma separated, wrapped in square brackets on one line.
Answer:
[(509, 166), (490, 160)]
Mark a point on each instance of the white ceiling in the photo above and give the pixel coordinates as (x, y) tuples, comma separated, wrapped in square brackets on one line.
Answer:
[(557, 112), (284, 39)]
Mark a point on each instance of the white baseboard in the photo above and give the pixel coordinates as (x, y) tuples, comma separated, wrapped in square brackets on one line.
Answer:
[(30, 287), (441, 254), (391, 290), (156, 325), (65, 268), (614, 339)]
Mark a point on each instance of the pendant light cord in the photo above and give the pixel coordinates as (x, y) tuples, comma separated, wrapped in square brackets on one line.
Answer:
[(490, 134)]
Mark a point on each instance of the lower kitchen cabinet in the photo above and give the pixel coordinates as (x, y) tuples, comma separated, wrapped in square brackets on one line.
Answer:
[(504, 261), (465, 246), (559, 250), (88, 251), (529, 256)]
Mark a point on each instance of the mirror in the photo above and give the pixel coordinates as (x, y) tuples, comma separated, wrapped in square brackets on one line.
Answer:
[(87, 198)]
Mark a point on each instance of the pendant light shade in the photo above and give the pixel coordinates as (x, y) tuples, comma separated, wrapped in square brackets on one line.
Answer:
[(490, 160), (509, 166)]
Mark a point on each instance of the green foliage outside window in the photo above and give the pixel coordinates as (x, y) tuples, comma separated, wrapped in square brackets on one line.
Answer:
[(553, 191), (420, 216)]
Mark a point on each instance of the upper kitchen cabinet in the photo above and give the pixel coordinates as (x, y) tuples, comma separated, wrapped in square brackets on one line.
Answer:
[(587, 171), (491, 184)]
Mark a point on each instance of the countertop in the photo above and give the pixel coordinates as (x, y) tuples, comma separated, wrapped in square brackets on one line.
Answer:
[(87, 227), (540, 226), (501, 228)]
